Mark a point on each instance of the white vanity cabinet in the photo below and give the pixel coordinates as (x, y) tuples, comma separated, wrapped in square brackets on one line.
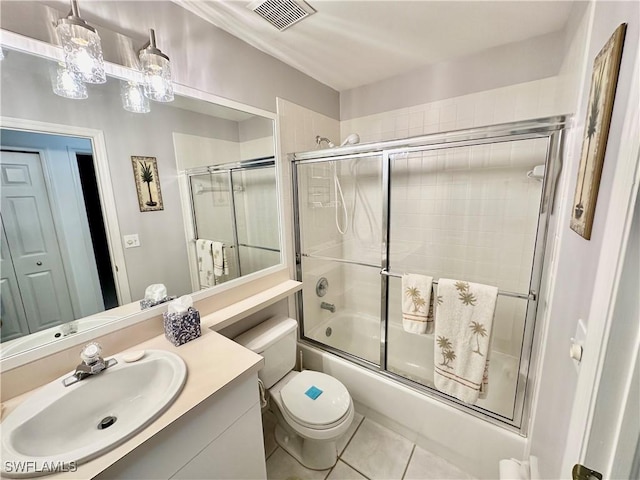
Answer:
[(221, 438)]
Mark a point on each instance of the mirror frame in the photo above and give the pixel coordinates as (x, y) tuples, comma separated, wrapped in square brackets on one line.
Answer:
[(17, 42)]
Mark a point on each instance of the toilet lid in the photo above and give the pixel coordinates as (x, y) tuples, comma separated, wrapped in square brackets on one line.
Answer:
[(328, 407)]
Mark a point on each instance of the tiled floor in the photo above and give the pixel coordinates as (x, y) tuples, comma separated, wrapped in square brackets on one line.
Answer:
[(367, 451)]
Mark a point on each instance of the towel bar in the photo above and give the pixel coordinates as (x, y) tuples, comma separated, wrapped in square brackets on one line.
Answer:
[(193, 240), (527, 296)]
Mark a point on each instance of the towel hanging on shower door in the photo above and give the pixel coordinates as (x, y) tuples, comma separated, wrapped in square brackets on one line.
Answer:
[(463, 338), (416, 297)]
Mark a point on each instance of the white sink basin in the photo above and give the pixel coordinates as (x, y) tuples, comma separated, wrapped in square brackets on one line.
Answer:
[(59, 425)]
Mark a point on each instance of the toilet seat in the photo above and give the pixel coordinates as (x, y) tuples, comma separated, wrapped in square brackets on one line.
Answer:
[(326, 411)]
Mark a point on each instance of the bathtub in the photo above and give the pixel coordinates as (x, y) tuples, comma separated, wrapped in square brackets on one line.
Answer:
[(471, 443)]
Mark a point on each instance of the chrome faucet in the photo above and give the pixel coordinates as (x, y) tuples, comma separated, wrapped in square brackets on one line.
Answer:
[(92, 364), (328, 306)]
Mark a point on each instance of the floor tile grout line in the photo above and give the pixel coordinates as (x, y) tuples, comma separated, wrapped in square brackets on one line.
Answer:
[(354, 468), (350, 439), (331, 470), (299, 462), (274, 451), (406, 467)]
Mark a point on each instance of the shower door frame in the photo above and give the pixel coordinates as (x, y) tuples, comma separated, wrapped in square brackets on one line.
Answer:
[(228, 169), (552, 129)]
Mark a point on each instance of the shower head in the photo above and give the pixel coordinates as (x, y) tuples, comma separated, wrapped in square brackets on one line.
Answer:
[(351, 140), (320, 139)]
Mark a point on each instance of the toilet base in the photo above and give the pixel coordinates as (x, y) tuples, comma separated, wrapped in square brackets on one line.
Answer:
[(313, 454)]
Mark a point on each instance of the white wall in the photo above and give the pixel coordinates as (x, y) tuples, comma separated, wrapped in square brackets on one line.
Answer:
[(193, 151), (256, 138), (574, 264), (621, 373), (298, 127), (522, 101), (511, 64)]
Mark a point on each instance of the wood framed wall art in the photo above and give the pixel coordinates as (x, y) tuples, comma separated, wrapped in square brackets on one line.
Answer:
[(145, 173), (604, 79)]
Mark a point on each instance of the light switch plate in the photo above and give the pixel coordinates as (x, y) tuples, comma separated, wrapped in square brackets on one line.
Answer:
[(131, 241)]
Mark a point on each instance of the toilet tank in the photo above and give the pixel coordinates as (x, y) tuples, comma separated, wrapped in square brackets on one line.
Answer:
[(274, 339)]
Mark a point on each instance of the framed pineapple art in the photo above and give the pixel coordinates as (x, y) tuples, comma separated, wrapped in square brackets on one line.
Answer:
[(604, 79), (145, 173)]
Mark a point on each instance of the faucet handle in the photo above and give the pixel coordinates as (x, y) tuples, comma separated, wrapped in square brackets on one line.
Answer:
[(91, 353)]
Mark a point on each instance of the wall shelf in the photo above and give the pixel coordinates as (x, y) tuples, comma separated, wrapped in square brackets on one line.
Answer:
[(229, 315)]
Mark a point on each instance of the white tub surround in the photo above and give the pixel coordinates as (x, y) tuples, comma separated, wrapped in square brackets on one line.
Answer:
[(470, 443), (218, 409)]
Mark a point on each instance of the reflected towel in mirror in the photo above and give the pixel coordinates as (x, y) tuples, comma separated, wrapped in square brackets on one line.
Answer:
[(220, 263), (204, 254)]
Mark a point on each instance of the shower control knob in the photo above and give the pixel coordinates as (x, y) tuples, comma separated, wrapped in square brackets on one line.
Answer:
[(322, 286)]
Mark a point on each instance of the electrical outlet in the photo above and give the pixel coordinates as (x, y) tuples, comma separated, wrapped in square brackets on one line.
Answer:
[(131, 241)]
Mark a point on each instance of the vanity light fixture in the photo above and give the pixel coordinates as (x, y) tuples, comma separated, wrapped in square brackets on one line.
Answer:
[(67, 83), (81, 46), (157, 71), (133, 97)]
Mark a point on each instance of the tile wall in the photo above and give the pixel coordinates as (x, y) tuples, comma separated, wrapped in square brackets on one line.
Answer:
[(467, 213), (516, 102), (298, 127)]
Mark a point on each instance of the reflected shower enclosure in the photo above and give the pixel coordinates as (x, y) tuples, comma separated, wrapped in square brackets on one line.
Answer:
[(237, 205), (463, 205)]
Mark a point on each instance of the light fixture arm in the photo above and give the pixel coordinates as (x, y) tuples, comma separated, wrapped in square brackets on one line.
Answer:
[(151, 47), (74, 18), (75, 10)]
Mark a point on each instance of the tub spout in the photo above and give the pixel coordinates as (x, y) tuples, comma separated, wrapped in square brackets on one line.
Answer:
[(328, 306)]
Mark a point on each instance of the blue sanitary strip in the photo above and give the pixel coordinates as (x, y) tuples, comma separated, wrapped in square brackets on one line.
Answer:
[(313, 393)]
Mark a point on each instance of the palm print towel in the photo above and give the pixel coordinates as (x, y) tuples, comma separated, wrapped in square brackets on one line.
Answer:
[(220, 263), (416, 293), (204, 253), (463, 337)]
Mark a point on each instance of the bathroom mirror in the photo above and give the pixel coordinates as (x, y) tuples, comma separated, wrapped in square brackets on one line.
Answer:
[(106, 233)]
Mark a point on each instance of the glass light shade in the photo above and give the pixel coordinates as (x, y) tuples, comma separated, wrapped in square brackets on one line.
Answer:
[(82, 51), (157, 76), (133, 98), (67, 84)]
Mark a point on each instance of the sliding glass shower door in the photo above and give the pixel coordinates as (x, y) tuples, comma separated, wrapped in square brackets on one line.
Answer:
[(471, 206), (237, 204), (340, 213), (256, 208), (470, 214)]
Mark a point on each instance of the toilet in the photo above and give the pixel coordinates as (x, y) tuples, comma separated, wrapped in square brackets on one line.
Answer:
[(313, 409)]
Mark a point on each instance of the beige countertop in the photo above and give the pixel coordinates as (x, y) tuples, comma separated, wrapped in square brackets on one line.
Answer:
[(213, 362)]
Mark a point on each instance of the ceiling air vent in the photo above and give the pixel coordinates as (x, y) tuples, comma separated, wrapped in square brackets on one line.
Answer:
[(282, 13)]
